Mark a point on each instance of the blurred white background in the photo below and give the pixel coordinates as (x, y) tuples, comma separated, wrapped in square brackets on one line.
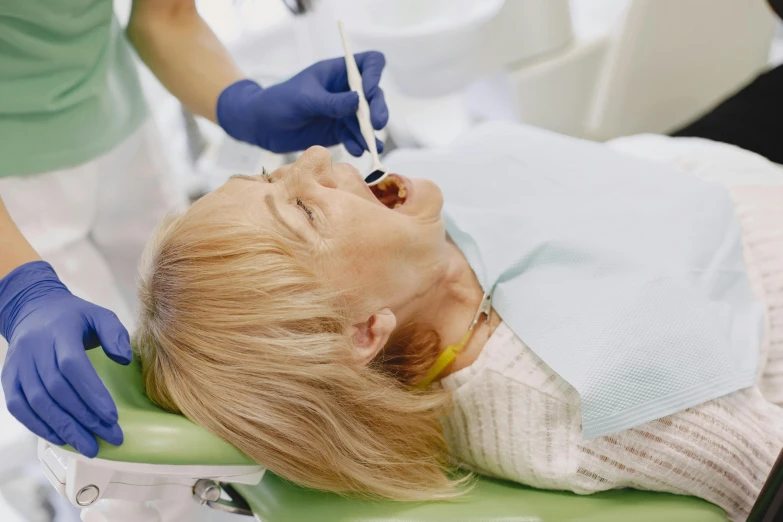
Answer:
[(202, 157)]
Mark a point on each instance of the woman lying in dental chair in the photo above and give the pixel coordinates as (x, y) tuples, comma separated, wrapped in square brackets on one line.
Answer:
[(296, 315)]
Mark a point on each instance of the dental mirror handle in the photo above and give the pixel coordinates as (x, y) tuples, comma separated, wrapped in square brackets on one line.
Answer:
[(363, 113)]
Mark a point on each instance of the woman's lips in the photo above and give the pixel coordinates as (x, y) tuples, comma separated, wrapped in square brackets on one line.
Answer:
[(393, 192)]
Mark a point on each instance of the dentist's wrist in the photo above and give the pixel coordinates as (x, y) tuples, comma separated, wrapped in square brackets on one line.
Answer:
[(233, 110), (22, 285)]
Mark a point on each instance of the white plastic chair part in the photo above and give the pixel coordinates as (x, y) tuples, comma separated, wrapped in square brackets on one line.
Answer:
[(672, 60), (427, 122), (594, 18), (432, 48), (130, 492), (120, 511), (557, 93), (525, 30)]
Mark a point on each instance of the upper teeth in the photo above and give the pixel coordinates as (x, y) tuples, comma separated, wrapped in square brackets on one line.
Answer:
[(383, 185), (389, 183)]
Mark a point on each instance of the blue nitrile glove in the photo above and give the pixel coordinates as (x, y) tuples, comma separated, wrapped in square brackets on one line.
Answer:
[(49, 383), (315, 107)]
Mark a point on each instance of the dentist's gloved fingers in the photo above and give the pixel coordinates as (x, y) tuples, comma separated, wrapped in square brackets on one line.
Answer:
[(352, 125), (77, 369), (17, 405), (61, 423), (371, 64), (111, 335), (379, 113), (356, 149), (330, 104), (66, 397), (304, 110), (353, 146)]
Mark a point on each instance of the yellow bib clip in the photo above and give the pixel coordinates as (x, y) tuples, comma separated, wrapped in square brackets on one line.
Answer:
[(450, 353)]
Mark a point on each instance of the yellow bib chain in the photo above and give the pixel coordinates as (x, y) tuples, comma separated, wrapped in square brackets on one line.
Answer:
[(450, 353)]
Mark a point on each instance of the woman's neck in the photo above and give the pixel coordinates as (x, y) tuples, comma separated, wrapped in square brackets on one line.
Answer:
[(451, 306)]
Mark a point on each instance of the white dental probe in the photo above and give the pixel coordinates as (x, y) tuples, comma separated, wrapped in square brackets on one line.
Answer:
[(379, 172)]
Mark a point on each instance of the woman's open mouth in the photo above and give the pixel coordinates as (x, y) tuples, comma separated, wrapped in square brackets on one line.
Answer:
[(392, 192)]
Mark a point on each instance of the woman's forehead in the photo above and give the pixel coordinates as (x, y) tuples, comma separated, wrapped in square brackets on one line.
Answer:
[(253, 198), (240, 189), (235, 196), (241, 182)]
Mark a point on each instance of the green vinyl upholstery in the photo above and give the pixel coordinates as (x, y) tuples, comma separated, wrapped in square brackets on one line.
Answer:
[(154, 436), (157, 437), (275, 500)]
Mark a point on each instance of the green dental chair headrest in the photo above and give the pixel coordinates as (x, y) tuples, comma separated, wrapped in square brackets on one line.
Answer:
[(153, 436)]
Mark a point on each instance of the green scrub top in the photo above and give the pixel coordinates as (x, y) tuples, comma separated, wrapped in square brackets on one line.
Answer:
[(69, 91)]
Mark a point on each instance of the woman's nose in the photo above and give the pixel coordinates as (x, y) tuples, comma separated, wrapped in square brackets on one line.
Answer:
[(351, 180), (317, 161), (316, 155), (347, 173)]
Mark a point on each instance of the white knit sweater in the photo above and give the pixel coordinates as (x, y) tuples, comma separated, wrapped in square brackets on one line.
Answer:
[(514, 418)]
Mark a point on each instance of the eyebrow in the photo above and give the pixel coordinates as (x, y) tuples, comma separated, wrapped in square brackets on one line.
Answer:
[(270, 203), (248, 178)]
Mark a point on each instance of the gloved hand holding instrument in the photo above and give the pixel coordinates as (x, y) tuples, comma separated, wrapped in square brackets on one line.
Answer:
[(315, 107)]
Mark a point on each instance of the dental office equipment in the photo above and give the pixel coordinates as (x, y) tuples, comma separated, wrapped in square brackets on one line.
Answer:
[(378, 172), (559, 68)]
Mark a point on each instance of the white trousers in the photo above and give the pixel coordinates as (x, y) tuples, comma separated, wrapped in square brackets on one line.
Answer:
[(91, 222)]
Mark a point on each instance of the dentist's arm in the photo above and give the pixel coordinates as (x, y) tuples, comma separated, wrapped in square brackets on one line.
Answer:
[(14, 247), (183, 52), (315, 107), (49, 383)]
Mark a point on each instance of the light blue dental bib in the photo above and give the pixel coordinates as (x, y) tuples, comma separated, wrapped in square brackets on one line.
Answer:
[(625, 276)]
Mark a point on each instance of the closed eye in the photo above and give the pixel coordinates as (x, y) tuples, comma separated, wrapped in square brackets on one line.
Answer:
[(307, 210)]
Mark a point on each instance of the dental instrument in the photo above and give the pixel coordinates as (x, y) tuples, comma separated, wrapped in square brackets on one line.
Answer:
[(378, 172)]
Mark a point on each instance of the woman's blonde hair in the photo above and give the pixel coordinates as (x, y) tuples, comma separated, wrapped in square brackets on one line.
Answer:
[(238, 334)]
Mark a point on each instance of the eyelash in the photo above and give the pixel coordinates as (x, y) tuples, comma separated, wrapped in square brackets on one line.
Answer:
[(307, 209), (299, 202)]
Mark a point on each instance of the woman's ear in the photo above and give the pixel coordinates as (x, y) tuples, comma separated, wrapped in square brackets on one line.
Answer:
[(371, 335)]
